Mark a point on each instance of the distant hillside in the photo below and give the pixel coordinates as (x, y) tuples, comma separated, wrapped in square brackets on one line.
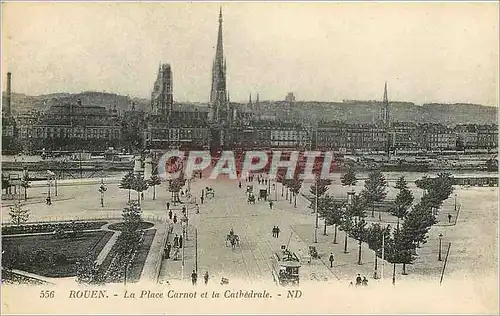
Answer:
[(349, 111)]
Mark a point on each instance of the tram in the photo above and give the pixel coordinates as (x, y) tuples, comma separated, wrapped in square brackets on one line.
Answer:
[(285, 268)]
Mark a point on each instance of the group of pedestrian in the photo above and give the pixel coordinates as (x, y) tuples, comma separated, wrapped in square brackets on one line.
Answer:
[(194, 277), (276, 231), (177, 246), (48, 200), (360, 281)]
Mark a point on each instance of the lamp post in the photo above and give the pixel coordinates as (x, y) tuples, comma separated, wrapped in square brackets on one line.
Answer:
[(440, 242), (455, 208), (101, 190), (48, 187), (316, 211)]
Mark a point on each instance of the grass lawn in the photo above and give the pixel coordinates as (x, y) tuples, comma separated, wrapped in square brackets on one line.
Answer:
[(85, 244), (136, 269), (120, 226)]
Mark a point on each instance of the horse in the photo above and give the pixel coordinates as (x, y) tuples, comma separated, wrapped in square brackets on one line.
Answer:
[(251, 199), (234, 240)]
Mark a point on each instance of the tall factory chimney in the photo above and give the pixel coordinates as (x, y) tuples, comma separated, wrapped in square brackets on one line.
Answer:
[(9, 95)]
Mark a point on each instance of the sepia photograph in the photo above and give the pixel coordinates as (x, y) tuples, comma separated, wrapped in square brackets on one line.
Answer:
[(249, 157)]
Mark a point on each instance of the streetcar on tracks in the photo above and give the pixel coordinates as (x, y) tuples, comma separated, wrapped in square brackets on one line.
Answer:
[(285, 268)]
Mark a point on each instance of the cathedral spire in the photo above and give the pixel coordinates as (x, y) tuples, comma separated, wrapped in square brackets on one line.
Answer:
[(385, 106), (219, 95)]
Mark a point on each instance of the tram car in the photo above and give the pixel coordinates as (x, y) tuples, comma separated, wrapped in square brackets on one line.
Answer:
[(286, 268)]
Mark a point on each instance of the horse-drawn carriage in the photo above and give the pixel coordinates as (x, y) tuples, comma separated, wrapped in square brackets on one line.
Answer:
[(286, 268), (233, 239), (313, 252), (263, 194), (209, 192), (251, 199), (249, 189)]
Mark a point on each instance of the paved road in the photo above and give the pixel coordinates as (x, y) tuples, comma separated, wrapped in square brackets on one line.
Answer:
[(250, 261)]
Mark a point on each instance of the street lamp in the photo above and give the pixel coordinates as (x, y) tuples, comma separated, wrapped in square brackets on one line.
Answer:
[(316, 210), (101, 190), (440, 242), (455, 208)]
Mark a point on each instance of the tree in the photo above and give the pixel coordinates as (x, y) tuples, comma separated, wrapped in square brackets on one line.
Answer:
[(154, 181), (295, 186), (374, 236), (334, 217), (346, 224), (139, 184), (374, 190), (357, 213), (132, 216), (326, 204), (349, 178), (18, 214), (358, 232), (175, 186), (318, 189), (25, 184), (403, 201), (126, 182)]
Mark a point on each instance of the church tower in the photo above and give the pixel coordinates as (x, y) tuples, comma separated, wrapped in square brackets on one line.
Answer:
[(219, 110), (385, 113)]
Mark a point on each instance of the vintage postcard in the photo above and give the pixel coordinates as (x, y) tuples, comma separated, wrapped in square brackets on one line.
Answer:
[(249, 157)]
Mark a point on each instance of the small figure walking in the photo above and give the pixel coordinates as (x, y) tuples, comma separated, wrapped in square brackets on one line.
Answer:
[(170, 214), (180, 241), (358, 280), (197, 209), (365, 281), (184, 210), (239, 185), (271, 205), (175, 218), (205, 277), (176, 241), (194, 277), (201, 199), (48, 200), (331, 259), (277, 232), (449, 218), (274, 231), (168, 205)]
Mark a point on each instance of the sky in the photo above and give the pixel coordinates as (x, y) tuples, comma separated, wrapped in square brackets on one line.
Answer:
[(323, 51)]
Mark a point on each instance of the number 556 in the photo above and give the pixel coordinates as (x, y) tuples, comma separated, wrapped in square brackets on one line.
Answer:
[(46, 294)]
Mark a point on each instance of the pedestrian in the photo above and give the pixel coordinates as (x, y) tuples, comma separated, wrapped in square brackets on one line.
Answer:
[(170, 214), (168, 205), (167, 251), (358, 280), (182, 193), (197, 209), (331, 259), (239, 184), (271, 205), (176, 241), (194, 277), (365, 281), (449, 218), (205, 277), (277, 232), (274, 231), (350, 284), (184, 210), (180, 241), (142, 195), (175, 218)]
